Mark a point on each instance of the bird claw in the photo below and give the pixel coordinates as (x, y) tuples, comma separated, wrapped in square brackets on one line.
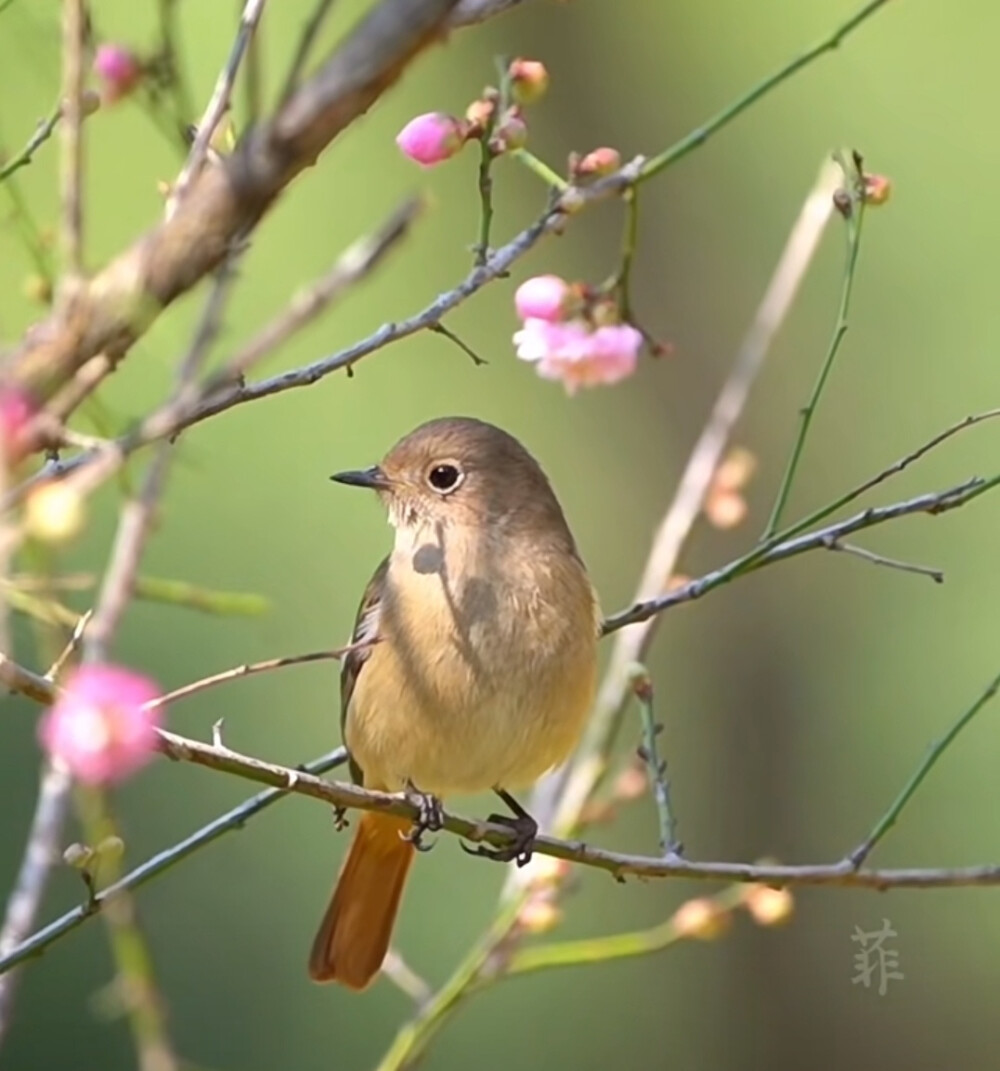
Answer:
[(525, 829), (430, 817)]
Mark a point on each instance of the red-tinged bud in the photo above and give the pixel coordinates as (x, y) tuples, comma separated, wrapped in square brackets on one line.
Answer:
[(878, 190), (16, 412), (528, 80), (602, 161)]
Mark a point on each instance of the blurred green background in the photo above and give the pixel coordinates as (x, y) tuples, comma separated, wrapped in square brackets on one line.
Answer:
[(797, 701)]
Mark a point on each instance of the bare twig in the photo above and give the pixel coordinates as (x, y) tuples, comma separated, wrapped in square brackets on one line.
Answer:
[(41, 854), (891, 563), (932, 504), (306, 41), (936, 750), (853, 221), (642, 686), (135, 979), (251, 668), (74, 18), (352, 266), (405, 978), (217, 105), (469, 352), (43, 131)]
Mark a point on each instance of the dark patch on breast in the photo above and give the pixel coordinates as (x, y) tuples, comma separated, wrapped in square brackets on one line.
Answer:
[(428, 559)]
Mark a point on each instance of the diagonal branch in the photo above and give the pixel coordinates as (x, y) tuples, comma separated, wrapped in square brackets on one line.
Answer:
[(120, 303)]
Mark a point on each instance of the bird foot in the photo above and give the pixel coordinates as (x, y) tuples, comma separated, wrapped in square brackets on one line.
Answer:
[(429, 819), (524, 828)]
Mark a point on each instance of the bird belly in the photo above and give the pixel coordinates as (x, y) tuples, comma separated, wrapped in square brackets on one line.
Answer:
[(470, 735)]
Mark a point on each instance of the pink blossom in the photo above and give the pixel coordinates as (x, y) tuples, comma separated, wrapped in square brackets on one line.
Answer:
[(542, 297), (118, 68), (578, 355), (16, 411), (431, 138), (101, 726)]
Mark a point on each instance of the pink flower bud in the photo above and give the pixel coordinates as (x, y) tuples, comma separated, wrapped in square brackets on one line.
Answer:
[(101, 727), (542, 298), (431, 138), (528, 80), (16, 412), (119, 69), (602, 161)]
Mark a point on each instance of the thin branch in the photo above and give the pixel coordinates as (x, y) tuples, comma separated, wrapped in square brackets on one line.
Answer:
[(352, 266), (698, 137), (446, 332), (251, 668), (152, 868), (126, 556), (306, 41), (43, 131), (936, 750), (642, 687), (931, 504), (135, 979), (806, 414), (217, 104), (74, 19), (891, 563), (616, 946), (41, 854)]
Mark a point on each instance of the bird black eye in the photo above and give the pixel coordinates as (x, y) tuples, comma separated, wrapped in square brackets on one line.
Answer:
[(444, 477)]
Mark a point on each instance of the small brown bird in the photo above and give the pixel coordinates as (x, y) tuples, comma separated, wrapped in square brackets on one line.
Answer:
[(484, 669)]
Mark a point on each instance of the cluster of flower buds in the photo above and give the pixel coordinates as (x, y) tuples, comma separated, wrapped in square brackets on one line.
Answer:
[(434, 137), (573, 335), (103, 726)]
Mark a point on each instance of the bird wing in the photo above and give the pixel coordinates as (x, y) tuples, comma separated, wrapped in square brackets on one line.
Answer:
[(366, 630)]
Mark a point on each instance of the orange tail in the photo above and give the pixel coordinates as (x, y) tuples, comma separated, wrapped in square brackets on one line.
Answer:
[(354, 935)]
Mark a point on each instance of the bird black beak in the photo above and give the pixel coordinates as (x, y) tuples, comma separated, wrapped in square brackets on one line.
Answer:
[(373, 478)]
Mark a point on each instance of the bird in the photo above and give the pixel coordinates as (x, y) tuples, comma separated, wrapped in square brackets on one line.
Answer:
[(472, 665)]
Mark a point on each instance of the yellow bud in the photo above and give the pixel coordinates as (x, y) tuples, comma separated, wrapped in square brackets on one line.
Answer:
[(539, 915), (111, 848), (767, 906), (54, 512), (38, 288), (702, 919)]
